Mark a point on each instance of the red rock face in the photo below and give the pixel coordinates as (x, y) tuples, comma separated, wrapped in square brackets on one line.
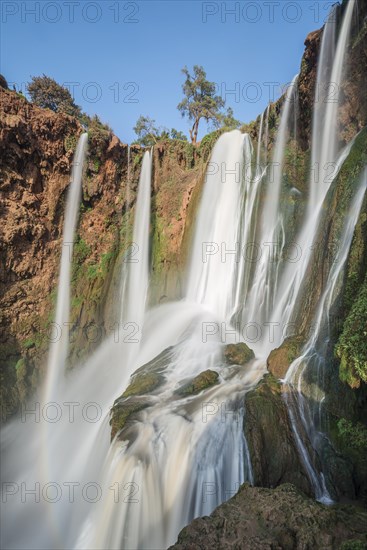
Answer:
[(37, 147)]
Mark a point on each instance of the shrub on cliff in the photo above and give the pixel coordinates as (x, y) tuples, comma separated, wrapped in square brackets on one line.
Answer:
[(352, 344), (148, 133), (48, 94)]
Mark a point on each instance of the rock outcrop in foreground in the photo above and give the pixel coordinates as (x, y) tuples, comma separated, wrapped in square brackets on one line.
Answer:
[(282, 518)]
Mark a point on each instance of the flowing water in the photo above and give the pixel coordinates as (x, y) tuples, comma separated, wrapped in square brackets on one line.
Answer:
[(185, 454), (59, 348), (260, 300)]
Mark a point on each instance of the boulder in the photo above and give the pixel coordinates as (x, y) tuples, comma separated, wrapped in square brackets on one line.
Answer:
[(273, 450), (281, 358), (201, 382), (238, 354), (282, 518)]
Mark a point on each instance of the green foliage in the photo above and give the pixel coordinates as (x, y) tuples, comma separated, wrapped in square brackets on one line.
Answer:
[(21, 376), (272, 118), (29, 343), (147, 131), (354, 435), (70, 143), (177, 134), (228, 120), (208, 142), (80, 253), (353, 545), (98, 139), (93, 272), (101, 269), (47, 93), (200, 100), (351, 347)]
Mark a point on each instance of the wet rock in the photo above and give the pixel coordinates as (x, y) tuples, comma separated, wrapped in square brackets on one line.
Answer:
[(273, 451), (149, 377), (143, 383), (275, 519), (125, 410), (238, 354), (281, 358), (201, 382)]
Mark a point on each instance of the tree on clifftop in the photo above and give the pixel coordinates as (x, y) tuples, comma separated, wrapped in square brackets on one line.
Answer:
[(200, 100), (47, 93), (148, 134), (147, 131)]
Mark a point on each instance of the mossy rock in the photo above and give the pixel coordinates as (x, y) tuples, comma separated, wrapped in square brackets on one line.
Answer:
[(123, 411), (274, 455), (143, 383), (258, 518), (238, 354), (204, 380), (281, 358)]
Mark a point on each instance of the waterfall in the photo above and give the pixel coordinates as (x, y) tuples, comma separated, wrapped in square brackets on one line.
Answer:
[(312, 356), (214, 261), (138, 257), (324, 154), (181, 465), (183, 454), (59, 451), (259, 302), (324, 84), (60, 343)]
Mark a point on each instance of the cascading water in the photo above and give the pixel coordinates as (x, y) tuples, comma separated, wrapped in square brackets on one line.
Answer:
[(138, 257), (313, 356), (187, 454), (324, 154), (55, 455), (260, 301), (184, 454), (59, 346)]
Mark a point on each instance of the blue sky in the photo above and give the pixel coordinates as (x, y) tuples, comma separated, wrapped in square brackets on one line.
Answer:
[(123, 58)]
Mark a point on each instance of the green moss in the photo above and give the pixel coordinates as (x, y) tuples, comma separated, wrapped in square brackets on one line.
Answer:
[(238, 354), (353, 434), (21, 377), (353, 545), (143, 383), (208, 142), (351, 347), (96, 165), (201, 382), (29, 343), (81, 252), (160, 243), (122, 411), (70, 143)]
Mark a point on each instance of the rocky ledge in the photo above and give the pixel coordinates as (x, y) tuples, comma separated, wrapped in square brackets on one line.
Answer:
[(272, 519)]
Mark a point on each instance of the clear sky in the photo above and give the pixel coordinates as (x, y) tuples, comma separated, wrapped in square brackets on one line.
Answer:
[(123, 58)]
